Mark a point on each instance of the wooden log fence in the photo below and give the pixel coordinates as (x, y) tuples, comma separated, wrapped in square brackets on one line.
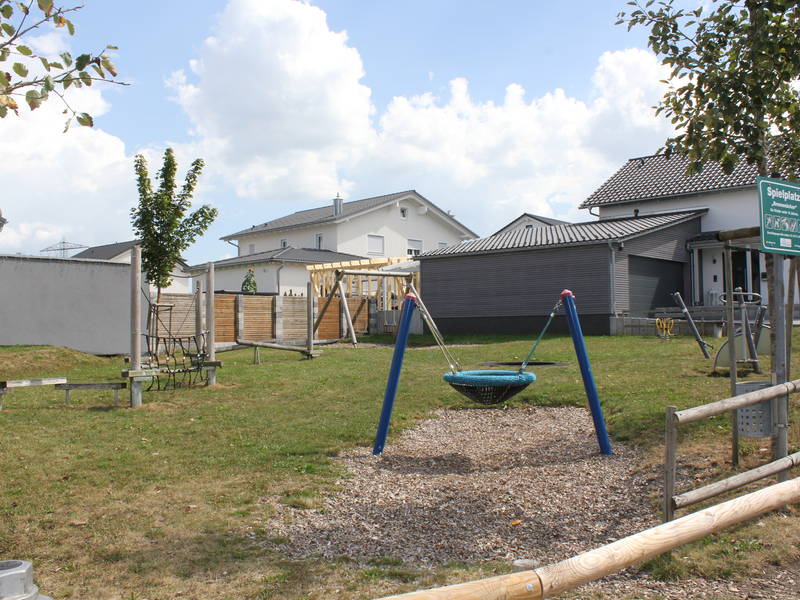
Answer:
[(674, 418), (552, 580)]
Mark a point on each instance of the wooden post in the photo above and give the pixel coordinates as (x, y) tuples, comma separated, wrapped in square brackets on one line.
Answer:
[(198, 317), (670, 454), (239, 316), (346, 310), (210, 343), (136, 323), (779, 330), (731, 349), (310, 318)]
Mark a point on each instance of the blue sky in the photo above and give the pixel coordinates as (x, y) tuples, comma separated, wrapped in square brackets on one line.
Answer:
[(487, 109)]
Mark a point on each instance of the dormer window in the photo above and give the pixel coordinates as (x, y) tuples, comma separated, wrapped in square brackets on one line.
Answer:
[(404, 213)]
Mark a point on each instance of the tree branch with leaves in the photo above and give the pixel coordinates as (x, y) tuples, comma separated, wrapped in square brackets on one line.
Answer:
[(160, 222), (732, 79), (35, 83)]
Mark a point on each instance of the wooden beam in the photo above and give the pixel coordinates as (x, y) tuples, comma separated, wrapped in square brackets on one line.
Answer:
[(738, 234)]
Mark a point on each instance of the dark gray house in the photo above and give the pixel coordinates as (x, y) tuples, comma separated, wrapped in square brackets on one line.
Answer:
[(509, 283)]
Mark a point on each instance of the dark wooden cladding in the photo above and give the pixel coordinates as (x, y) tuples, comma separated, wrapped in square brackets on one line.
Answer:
[(331, 325), (224, 321), (521, 283), (180, 319), (259, 317), (359, 314), (666, 244), (295, 319)]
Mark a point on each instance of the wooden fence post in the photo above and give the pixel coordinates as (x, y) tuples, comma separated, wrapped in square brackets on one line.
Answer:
[(670, 459), (136, 323)]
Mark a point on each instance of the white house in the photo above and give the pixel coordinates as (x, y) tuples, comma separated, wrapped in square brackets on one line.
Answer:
[(280, 271), (653, 185), (529, 221), (395, 225), (401, 224), (121, 253)]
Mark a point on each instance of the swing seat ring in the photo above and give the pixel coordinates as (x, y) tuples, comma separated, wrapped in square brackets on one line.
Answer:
[(489, 387)]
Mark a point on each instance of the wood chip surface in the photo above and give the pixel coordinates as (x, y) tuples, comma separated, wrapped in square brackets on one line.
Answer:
[(494, 485)]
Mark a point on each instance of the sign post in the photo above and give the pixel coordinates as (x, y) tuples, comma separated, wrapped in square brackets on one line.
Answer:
[(779, 203)]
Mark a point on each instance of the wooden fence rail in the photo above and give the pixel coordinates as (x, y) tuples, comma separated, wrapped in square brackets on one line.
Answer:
[(674, 418), (552, 580)]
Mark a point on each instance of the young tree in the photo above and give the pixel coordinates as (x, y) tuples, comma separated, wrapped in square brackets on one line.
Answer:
[(35, 81), (732, 93), (159, 219), (249, 284)]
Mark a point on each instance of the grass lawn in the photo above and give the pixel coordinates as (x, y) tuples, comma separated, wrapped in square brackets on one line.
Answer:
[(165, 501)]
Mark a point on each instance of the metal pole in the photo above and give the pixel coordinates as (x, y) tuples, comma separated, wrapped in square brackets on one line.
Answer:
[(394, 374), (136, 324), (679, 301), (586, 372)]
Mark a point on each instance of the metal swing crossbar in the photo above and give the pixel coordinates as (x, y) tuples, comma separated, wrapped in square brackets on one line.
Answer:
[(484, 387)]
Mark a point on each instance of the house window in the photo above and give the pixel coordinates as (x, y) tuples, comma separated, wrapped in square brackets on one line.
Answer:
[(319, 241), (414, 247), (284, 243), (375, 244), (528, 226), (251, 249), (442, 245), (404, 213)]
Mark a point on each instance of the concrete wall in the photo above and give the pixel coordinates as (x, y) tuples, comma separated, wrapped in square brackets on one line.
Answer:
[(74, 303)]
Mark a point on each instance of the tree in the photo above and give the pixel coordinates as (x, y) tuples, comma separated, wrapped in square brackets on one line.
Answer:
[(159, 219), (249, 284), (35, 81), (731, 92)]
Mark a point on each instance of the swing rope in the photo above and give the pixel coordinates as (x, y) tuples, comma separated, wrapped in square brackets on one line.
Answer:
[(541, 335)]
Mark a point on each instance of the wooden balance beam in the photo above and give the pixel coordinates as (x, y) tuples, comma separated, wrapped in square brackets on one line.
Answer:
[(93, 386), (6, 387), (302, 350)]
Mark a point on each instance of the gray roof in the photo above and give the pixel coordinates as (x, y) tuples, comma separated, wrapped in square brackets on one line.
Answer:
[(298, 255), (546, 220), (652, 177), (106, 252), (594, 232), (324, 214)]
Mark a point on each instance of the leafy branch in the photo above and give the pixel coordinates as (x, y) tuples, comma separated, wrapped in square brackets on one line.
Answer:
[(732, 82), (57, 76)]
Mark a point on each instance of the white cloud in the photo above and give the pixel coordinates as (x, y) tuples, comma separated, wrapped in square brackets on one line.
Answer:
[(76, 185), (279, 113)]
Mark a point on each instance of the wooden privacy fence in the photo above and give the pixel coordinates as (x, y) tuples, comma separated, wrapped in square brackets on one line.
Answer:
[(555, 579), (674, 418)]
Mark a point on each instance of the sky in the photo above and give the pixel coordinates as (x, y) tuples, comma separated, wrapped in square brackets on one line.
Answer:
[(487, 109)]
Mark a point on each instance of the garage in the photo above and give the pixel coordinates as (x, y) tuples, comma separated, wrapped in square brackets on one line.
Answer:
[(652, 283)]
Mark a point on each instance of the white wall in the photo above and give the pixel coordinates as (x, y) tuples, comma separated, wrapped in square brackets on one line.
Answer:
[(293, 276), (726, 210), (74, 303), (386, 222)]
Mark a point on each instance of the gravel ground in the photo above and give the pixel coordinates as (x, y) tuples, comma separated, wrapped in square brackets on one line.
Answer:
[(494, 485)]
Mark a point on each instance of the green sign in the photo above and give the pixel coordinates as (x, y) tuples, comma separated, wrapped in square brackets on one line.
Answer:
[(780, 216)]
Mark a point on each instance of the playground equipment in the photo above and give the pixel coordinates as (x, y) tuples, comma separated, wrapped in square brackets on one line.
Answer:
[(752, 341), (488, 387), (664, 327), (700, 341)]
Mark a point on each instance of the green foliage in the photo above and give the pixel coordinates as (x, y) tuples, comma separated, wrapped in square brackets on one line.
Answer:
[(249, 284), (159, 219), (35, 77), (731, 92)]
